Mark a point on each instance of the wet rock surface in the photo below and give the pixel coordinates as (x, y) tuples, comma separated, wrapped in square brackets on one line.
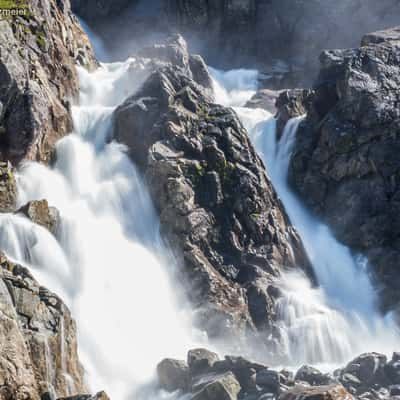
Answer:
[(265, 99), (8, 188), (38, 339), (217, 208), (345, 163), (98, 396), (369, 376), (38, 78), (39, 212)]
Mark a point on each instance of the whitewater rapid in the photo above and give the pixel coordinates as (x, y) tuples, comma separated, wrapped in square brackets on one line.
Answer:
[(107, 261), (330, 324)]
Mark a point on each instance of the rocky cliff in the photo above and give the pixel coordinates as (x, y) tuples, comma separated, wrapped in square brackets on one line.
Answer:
[(38, 344), (281, 37), (39, 51), (217, 208), (345, 163), (38, 79)]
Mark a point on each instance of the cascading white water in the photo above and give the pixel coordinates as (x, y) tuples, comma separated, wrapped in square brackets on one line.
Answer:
[(338, 320), (107, 260)]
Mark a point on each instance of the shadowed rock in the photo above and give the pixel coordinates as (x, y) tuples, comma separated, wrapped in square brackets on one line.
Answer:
[(345, 161), (217, 208)]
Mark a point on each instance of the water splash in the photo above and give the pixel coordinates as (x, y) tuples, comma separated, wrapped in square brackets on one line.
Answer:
[(340, 319), (108, 261), (234, 88)]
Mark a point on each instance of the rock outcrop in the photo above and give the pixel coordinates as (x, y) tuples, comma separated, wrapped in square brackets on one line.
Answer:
[(39, 212), (38, 78), (265, 99), (38, 345), (345, 162), (8, 188), (217, 208)]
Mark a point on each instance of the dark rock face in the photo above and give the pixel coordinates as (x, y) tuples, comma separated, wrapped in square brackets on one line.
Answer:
[(38, 339), (217, 208), (38, 53), (345, 162), (95, 10), (267, 32), (371, 376), (313, 377)]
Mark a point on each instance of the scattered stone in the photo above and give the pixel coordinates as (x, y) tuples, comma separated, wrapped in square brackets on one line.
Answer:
[(173, 374), (223, 387), (269, 380), (313, 376), (331, 392), (200, 360)]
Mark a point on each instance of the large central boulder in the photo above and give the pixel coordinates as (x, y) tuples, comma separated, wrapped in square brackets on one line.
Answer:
[(218, 210), (345, 162)]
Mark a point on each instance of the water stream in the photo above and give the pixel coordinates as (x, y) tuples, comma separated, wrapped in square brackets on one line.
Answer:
[(109, 264), (339, 319)]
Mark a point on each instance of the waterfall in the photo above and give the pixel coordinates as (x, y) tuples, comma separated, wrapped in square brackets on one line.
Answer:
[(339, 319), (107, 260)]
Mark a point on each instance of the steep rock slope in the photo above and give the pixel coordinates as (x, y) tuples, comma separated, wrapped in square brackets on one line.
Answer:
[(345, 162), (37, 339), (38, 78), (39, 50), (217, 208)]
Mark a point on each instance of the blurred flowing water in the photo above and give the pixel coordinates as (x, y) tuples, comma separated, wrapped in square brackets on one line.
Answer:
[(339, 319), (107, 260)]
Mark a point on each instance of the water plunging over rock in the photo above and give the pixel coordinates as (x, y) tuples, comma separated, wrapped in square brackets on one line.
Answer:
[(217, 208), (345, 164)]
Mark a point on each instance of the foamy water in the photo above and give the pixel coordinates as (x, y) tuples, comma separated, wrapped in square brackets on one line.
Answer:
[(340, 319)]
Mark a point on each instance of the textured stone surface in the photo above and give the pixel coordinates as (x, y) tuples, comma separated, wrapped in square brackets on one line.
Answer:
[(173, 374), (38, 78), (217, 208), (37, 339), (368, 377), (8, 188), (345, 163), (332, 392), (39, 212)]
